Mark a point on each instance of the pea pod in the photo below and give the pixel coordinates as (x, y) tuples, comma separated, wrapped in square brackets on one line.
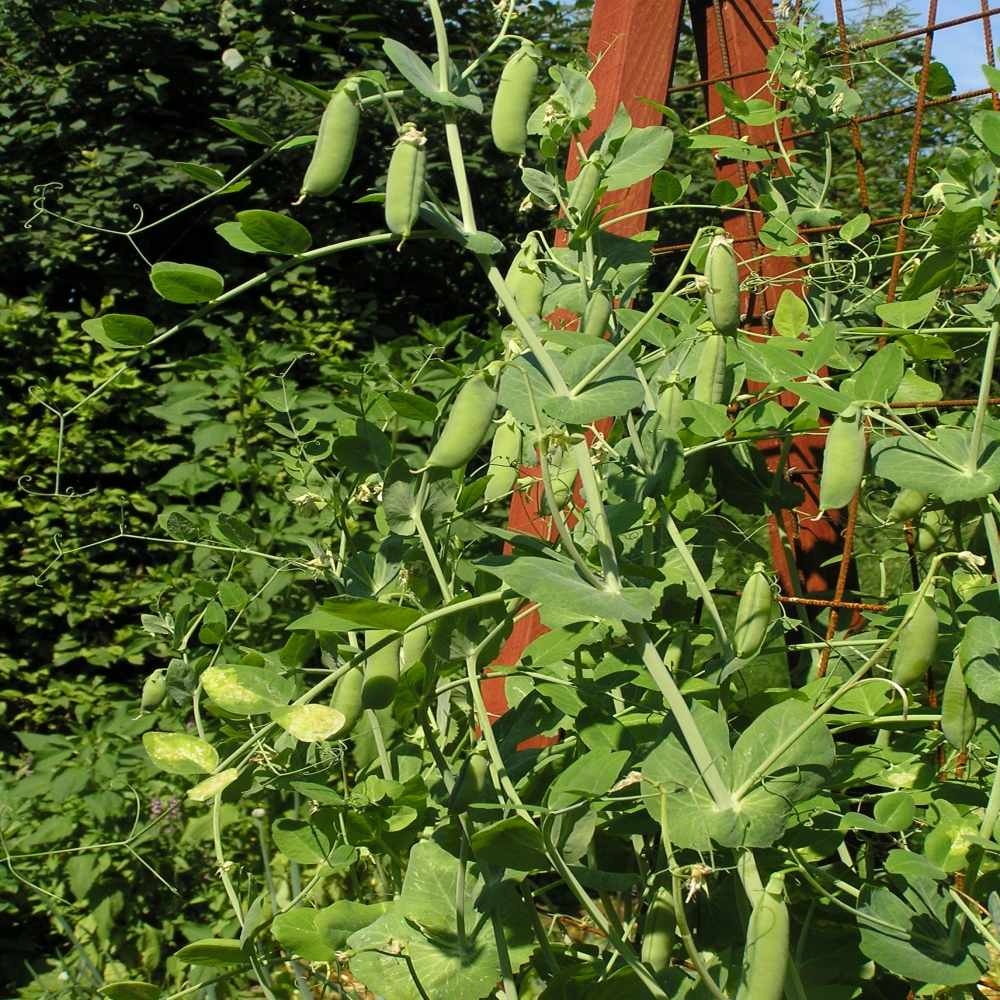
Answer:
[(932, 525), (334, 149), (365, 748), (467, 424), (710, 382), (679, 655), (765, 957), (347, 698), (505, 461), (584, 188), (381, 670), (525, 280), (512, 106), (722, 297), (154, 690), (843, 460), (958, 708), (404, 185), (659, 930), (906, 506), (414, 644), (916, 645), (753, 614), (471, 785), (596, 314), (669, 405), (562, 468)]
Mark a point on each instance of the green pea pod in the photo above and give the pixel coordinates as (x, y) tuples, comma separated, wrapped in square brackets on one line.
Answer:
[(722, 297), (659, 931), (753, 614), (334, 149), (932, 525), (381, 671), (347, 698), (505, 461), (562, 467), (414, 644), (958, 708), (466, 426), (525, 280), (512, 106), (154, 690), (584, 187), (843, 460), (669, 406), (916, 645), (710, 382), (679, 655), (473, 780), (765, 957), (365, 748), (906, 506), (596, 314), (404, 185)]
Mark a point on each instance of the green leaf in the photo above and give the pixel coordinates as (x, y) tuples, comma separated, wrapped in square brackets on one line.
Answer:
[(724, 193), (237, 531), (731, 100), (517, 376), (186, 283), (247, 131), (955, 229), (934, 272), (213, 952), (178, 753), (308, 843), (478, 242), (938, 466), (130, 990), (614, 392), (589, 776), (213, 624), (309, 723), (667, 187), (245, 690), (423, 78), (316, 935), (912, 937), (979, 655), (274, 231), (232, 233), (412, 407), (895, 811), (117, 330), (371, 614), (881, 375), (204, 175), (557, 586), (425, 918), (791, 317), (853, 228), (940, 82), (338, 922), (211, 786), (512, 843), (907, 863), (992, 75), (909, 314), (181, 527), (642, 152)]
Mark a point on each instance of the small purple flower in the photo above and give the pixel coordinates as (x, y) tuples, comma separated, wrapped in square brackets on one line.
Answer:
[(155, 807)]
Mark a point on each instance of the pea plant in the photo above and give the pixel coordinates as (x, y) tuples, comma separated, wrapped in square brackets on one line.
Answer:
[(730, 802)]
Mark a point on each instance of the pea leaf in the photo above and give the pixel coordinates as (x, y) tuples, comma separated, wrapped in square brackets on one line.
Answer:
[(118, 330), (246, 131), (853, 228), (371, 614), (791, 317), (642, 152), (934, 272), (204, 175), (213, 952), (308, 843), (233, 234), (979, 655), (309, 723), (423, 78), (178, 753), (212, 785), (130, 990), (274, 231), (511, 843), (908, 314), (411, 406), (186, 283), (938, 466), (237, 531), (246, 690), (614, 392)]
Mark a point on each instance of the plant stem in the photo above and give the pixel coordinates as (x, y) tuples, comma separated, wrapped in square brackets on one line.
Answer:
[(984, 395)]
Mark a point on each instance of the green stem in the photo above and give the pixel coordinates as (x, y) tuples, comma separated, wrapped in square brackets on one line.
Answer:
[(425, 541), (595, 505), (383, 757), (220, 858), (984, 394), (699, 581)]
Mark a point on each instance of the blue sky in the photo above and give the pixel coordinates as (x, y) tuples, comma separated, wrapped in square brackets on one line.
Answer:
[(961, 48)]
